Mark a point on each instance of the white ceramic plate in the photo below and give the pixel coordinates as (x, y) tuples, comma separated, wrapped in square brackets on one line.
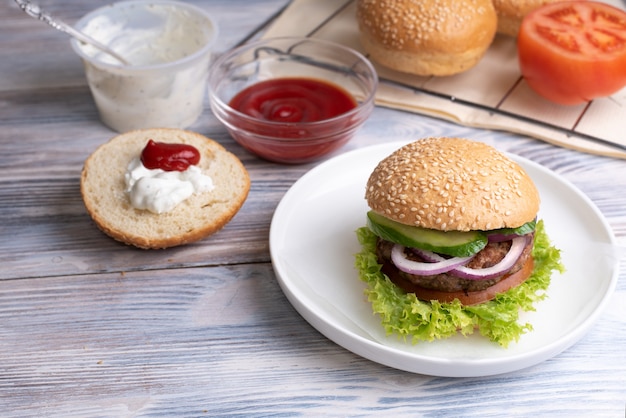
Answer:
[(312, 244)]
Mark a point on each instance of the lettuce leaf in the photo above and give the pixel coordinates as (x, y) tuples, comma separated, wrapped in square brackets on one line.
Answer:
[(406, 316)]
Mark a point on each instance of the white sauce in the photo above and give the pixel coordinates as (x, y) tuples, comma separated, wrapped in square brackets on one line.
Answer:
[(161, 191), (153, 35), (169, 52)]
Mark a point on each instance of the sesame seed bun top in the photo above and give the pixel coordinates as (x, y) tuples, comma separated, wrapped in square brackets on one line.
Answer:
[(452, 184), (512, 12), (430, 37)]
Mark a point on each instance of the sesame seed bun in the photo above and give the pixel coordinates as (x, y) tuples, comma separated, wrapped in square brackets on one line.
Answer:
[(452, 184), (103, 190), (511, 13), (431, 37)]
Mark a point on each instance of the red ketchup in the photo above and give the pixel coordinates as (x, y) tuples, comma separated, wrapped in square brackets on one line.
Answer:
[(169, 157), (292, 106), (293, 100)]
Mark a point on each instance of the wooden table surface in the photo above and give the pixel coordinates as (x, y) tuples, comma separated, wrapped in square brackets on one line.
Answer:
[(92, 328)]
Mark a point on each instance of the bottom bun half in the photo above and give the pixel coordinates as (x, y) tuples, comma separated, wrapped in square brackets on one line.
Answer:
[(108, 204)]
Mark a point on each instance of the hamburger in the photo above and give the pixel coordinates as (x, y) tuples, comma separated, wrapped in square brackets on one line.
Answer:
[(452, 242)]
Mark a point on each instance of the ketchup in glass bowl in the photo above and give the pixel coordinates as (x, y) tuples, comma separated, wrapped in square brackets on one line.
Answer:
[(292, 100)]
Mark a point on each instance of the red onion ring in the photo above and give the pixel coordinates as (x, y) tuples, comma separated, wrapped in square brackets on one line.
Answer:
[(437, 264), (442, 265), (517, 248)]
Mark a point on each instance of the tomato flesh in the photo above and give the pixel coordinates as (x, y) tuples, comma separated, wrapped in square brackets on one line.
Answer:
[(573, 52)]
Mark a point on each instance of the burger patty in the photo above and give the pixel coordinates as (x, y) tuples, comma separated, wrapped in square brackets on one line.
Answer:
[(489, 256)]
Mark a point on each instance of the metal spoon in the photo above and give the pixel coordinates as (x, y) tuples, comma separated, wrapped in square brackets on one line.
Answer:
[(36, 12)]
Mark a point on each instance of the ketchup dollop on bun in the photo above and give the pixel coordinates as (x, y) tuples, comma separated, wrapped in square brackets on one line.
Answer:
[(454, 233)]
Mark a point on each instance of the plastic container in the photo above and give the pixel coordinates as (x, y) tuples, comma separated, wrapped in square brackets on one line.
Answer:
[(168, 45)]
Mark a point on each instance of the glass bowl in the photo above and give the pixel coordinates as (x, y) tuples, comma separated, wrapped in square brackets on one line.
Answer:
[(284, 140)]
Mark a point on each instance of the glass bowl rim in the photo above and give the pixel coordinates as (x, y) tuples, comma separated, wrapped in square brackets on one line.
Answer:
[(364, 106)]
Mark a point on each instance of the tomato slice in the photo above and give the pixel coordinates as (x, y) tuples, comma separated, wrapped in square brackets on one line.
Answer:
[(573, 52)]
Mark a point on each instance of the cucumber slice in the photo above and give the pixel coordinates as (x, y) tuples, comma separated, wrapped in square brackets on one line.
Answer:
[(527, 228), (454, 243)]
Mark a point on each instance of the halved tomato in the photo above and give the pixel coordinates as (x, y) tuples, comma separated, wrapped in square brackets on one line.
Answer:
[(573, 52)]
